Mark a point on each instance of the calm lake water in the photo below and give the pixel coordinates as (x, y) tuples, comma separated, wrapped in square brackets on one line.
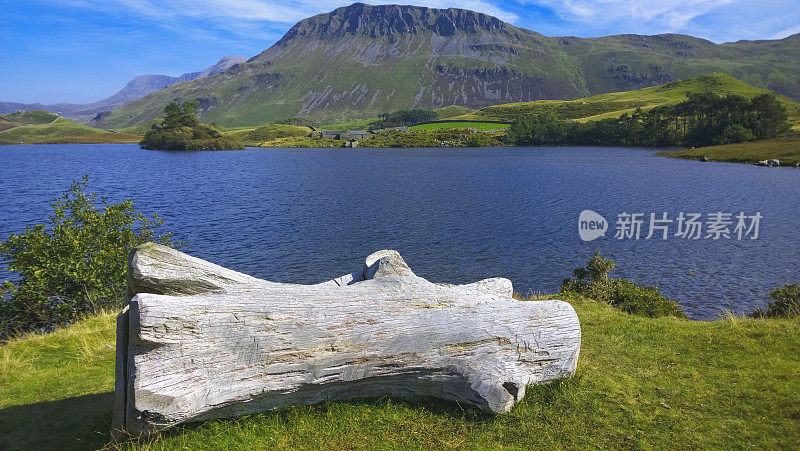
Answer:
[(456, 215)]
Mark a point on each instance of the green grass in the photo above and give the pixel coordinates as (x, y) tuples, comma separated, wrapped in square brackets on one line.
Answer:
[(641, 383), (475, 125), (786, 149), (617, 103), (33, 117), (354, 125), (255, 136), (452, 111), (62, 131)]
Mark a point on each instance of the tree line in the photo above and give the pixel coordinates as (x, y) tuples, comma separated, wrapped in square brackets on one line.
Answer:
[(703, 119), (404, 118)]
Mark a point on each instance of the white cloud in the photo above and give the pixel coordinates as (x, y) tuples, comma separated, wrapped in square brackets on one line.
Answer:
[(669, 13), (787, 32), (289, 11)]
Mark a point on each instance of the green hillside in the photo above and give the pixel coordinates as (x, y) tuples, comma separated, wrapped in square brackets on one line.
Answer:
[(360, 61), (452, 111), (475, 125), (617, 103), (44, 127), (641, 383)]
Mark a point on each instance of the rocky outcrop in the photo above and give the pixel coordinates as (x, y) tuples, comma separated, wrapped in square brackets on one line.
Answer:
[(359, 19), (198, 341)]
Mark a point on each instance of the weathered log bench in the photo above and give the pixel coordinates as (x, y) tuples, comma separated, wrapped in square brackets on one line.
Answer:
[(198, 341)]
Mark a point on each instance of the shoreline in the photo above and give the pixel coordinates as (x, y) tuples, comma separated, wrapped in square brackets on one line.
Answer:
[(750, 153)]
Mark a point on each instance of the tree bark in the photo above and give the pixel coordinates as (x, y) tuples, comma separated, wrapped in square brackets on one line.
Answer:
[(199, 341)]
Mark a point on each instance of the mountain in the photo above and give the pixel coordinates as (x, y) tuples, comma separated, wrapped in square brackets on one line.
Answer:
[(135, 89), (359, 61)]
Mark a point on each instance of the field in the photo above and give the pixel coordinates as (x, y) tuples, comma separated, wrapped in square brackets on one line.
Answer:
[(641, 383), (42, 127), (786, 149), (615, 104), (475, 125), (355, 125)]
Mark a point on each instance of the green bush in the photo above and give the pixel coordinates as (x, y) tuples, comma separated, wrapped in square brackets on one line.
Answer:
[(786, 305), (592, 281), (643, 300), (482, 140), (73, 266)]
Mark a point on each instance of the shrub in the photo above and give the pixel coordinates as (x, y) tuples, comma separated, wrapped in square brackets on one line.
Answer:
[(73, 266), (643, 300), (592, 281), (786, 305), (482, 140)]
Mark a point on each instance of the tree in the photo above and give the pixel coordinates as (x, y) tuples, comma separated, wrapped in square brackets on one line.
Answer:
[(180, 115), (768, 116), (735, 133), (181, 130), (75, 265), (403, 118)]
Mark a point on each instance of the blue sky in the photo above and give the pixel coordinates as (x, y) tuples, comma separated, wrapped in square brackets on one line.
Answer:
[(84, 50)]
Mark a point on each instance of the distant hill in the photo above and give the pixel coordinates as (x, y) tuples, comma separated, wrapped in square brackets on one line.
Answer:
[(360, 61), (617, 103), (133, 90), (44, 127)]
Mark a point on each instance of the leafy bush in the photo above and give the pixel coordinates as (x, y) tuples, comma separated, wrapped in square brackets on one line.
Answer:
[(592, 281), (786, 305), (73, 266), (482, 140), (643, 300)]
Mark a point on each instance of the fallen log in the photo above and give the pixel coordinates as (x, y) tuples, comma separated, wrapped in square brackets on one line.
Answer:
[(198, 341)]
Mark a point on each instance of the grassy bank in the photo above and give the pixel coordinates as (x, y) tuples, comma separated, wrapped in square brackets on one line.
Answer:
[(43, 127), (786, 149), (641, 382)]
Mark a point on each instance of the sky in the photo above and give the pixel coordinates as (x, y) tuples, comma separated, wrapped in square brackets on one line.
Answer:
[(81, 51)]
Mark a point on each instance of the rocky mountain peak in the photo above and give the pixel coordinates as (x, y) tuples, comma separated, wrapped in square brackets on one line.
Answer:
[(360, 19)]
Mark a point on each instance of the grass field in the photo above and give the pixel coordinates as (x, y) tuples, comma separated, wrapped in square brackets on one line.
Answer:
[(475, 125), (452, 111), (355, 125), (786, 149), (43, 127), (641, 383), (617, 103)]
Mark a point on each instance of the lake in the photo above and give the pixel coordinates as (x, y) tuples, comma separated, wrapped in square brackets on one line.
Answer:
[(456, 215)]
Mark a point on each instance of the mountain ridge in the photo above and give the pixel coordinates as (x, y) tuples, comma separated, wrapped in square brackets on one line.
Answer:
[(360, 60), (135, 89)]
